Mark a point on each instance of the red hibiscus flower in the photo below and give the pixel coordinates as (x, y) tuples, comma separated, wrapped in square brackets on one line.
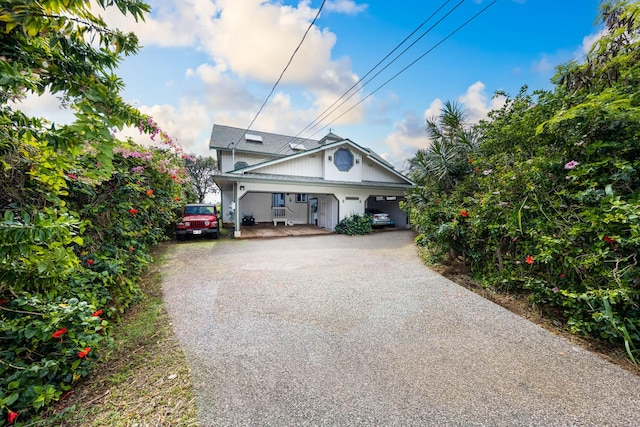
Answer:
[(90, 262), (150, 192), (97, 313), (609, 240), (84, 352), (133, 211), (529, 260), (11, 417), (59, 333), (72, 175), (464, 213)]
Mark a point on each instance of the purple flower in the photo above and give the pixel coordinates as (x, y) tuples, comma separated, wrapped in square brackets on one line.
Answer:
[(487, 172), (572, 164), (554, 290), (137, 169)]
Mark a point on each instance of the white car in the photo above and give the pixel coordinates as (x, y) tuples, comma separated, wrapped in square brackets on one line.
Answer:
[(378, 218)]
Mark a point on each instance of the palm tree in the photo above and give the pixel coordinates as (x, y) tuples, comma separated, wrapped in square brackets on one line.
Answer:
[(447, 159)]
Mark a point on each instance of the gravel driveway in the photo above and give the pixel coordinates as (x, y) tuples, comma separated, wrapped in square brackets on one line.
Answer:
[(355, 331)]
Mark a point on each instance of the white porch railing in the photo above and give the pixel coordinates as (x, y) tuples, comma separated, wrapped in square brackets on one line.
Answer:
[(281, 214)]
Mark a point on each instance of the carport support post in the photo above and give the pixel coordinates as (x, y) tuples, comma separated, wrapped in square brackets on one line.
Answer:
[(236, 201)]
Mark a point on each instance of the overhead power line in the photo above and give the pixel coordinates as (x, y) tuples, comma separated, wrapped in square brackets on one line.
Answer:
[(414, 62), (326, 111), (282, 74)]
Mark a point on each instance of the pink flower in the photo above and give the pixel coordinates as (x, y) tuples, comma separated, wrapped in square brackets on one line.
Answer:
[(529, 260), (572, 164), (11, 417), (554, 290), (487, 172)]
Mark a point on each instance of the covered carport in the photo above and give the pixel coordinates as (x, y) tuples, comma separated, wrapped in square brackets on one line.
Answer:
[(390, 204)]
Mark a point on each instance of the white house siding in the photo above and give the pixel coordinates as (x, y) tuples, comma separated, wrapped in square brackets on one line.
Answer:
[(327, 211), (226, 200), (374, 173), (257, 204), (226, 164), (310, 165), (332, 173)]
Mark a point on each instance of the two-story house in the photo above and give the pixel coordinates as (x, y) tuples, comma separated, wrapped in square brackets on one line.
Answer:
[(283, 179)]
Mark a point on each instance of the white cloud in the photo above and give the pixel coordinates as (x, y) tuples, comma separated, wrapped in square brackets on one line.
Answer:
[(434, 109), (477, 104), (544, 65), (46, 105), (189, 125), (248, 44), (588, 42), (348, 7), (253, 39), (410, 135)]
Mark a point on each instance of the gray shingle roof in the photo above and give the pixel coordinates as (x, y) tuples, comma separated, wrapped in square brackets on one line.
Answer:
[(222, 138)]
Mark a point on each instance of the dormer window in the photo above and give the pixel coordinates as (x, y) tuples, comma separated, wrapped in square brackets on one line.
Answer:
[(253, 138), (240, 165)]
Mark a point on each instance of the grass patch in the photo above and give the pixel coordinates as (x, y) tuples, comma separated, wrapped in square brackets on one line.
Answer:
[(142, 381)]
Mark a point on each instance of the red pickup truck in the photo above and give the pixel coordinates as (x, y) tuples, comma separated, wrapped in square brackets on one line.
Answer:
[(198, 219)]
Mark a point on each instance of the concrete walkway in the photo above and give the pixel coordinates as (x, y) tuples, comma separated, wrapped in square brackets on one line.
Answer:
[(355, 331)]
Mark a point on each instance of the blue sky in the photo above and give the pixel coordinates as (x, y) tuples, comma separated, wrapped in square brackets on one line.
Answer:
[(215, 61)]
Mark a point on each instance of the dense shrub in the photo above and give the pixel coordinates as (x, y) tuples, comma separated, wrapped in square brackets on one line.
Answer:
[(550, 199), (354, 225), (79, 208)]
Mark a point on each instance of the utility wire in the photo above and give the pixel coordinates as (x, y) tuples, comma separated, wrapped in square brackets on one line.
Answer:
[(414, 62), (326, 112), (282, 74)]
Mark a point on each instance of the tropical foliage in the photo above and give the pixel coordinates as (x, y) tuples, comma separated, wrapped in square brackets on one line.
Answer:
[(354, 225), (79, 208), (548, 202)]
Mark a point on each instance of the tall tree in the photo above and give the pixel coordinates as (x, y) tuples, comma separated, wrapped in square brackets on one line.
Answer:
[(447, 159), (201, 173)]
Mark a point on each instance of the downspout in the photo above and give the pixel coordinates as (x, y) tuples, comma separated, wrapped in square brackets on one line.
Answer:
[(237, 232)]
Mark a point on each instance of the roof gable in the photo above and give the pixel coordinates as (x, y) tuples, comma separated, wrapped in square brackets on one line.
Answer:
[(368, 154)]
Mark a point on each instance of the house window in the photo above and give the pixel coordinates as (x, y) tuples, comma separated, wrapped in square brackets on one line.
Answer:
[(240, 165), (301, 198), (277, 200), (343, 159)]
